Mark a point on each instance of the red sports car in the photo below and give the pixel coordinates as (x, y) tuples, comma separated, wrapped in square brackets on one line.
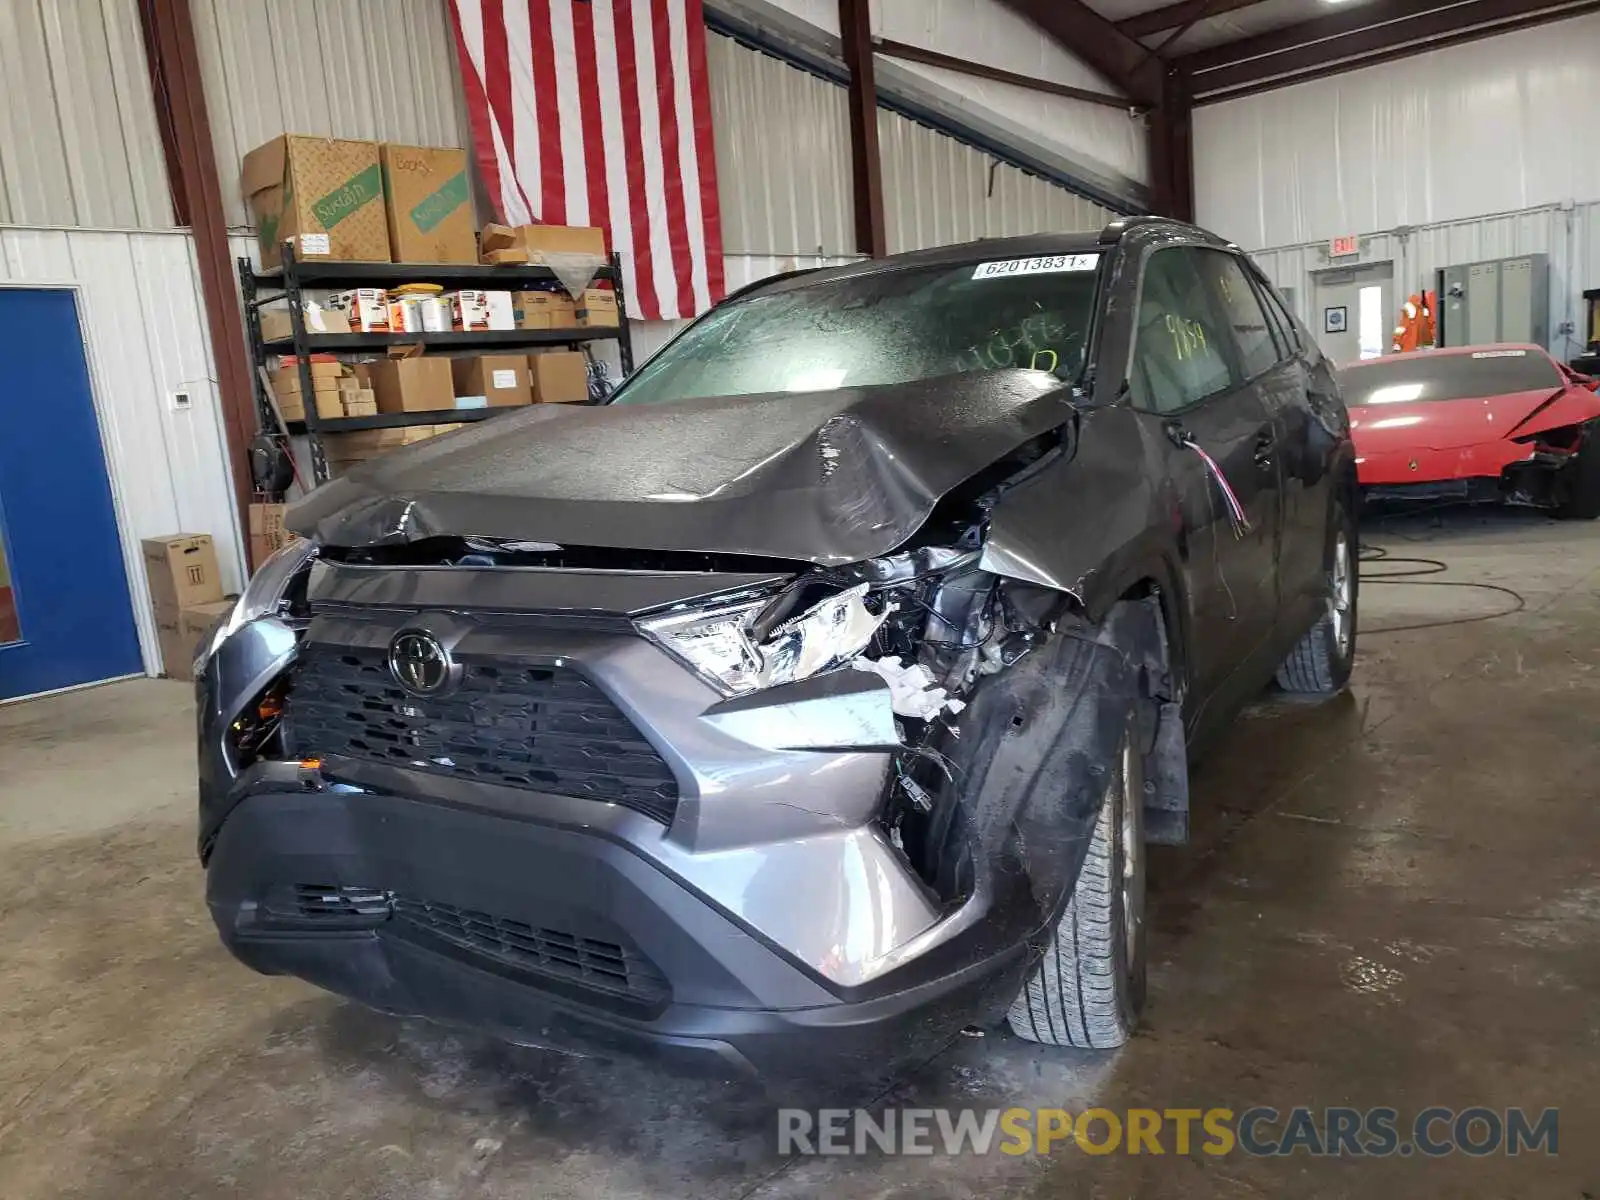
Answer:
[(1476, 423)]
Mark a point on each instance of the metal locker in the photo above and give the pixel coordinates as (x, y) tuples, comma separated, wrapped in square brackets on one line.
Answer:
[(1483, 311)]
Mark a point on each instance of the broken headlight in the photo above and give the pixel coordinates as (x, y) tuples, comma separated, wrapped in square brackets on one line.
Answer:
[(720, 643), (264, 596)]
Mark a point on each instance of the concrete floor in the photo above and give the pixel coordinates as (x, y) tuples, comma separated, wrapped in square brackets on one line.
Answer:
[(1391, 900)]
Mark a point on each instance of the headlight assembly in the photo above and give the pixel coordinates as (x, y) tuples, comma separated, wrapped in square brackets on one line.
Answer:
[(264, 595), (718, 642)]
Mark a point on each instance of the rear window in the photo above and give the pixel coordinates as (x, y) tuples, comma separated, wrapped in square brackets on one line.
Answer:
[(1447, 377)]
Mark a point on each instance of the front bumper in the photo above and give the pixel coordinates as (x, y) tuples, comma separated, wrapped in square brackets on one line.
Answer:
[(518, 896)]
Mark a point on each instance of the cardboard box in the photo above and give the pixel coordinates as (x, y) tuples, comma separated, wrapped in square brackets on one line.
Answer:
[(323, 194), (544, 310), (539, 241), (179, 635), (598, 307), (366, 309), (416, 384), (181, 570), (267, 534), (502, 379), (275, 322), (430, 204), (356, 400), (326, 377), (559, 377), (325, 369), (509, 256)]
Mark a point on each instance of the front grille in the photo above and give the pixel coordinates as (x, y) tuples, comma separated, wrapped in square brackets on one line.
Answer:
[(599, 965), (544, 728), (326, 905)]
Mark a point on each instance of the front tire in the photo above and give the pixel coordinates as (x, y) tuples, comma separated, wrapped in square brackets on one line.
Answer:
[(1320, 663), (1089, 987)]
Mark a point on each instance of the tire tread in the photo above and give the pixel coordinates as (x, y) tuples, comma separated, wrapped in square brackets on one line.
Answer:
[(1071, 997)]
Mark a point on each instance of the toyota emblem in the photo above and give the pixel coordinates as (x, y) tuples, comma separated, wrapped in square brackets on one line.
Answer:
[(420, 664)]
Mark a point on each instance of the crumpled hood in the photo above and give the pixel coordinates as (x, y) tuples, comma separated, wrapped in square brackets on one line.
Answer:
[(823, 477)]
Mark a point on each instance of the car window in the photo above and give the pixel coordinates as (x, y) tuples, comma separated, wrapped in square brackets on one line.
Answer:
[(1178, 356), (1277, 315), (1246, 320), (882, 327), (1448, 375)]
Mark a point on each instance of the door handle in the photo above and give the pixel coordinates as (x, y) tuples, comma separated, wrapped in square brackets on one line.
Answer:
[(1266, 443)]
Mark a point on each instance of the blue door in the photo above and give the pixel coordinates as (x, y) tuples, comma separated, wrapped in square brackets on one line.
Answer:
[(65, 616)]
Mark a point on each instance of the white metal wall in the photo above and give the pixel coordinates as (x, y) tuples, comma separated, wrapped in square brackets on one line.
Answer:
[(1495, 125), (937, 190), (783, 155), (78, 138), (380, 69), (989, 32), (144, 329), (1569, 235)]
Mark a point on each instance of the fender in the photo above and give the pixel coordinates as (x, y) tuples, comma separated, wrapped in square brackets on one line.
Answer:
[(1056, 529)]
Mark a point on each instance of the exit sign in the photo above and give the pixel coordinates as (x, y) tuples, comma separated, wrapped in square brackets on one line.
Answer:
[(1343, 247)]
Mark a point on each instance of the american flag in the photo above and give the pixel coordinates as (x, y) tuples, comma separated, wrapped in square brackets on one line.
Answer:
[(597, 112)]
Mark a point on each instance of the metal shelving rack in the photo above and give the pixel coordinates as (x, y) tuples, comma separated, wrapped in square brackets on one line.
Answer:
[(259, 288)]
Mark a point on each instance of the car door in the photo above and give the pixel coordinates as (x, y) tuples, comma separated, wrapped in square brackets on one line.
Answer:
[(1217, 433), (1312, 421)]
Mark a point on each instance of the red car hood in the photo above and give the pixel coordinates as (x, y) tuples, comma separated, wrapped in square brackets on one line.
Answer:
[(1454, 424)]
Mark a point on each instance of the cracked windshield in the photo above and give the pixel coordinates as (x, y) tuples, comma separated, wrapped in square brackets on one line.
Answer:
[(883, 328)]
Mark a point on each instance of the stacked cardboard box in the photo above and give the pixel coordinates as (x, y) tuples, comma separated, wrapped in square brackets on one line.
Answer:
[(327, 373), (323, 194), (416, 383), (540, 243), (185, 596), (598, 307), (544, 309), (491, 381), (275, 321), (559, 377), (430, 204), (267, 532)]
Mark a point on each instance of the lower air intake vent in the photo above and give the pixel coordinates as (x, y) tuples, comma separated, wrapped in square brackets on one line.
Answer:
[(326, 905), (595, 964)]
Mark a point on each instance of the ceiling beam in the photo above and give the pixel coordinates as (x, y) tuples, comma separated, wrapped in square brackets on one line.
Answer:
[(967, 66), (1402, 51), (1085, 34), (1353, 36), (1173, 15)]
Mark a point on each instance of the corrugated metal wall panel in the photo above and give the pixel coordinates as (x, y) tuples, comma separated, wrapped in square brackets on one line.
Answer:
[(144, 326), (382, 69), (937, 190), (1477, 128), (79, 143), (783, 154)]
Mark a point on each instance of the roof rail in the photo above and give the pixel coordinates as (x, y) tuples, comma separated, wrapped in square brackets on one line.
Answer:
[(1112, 233)]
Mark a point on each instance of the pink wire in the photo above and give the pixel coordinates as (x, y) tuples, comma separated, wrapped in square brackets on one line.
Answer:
[(1241, 523)]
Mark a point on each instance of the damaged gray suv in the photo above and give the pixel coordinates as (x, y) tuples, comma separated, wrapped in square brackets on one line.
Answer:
[(816, 697)]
